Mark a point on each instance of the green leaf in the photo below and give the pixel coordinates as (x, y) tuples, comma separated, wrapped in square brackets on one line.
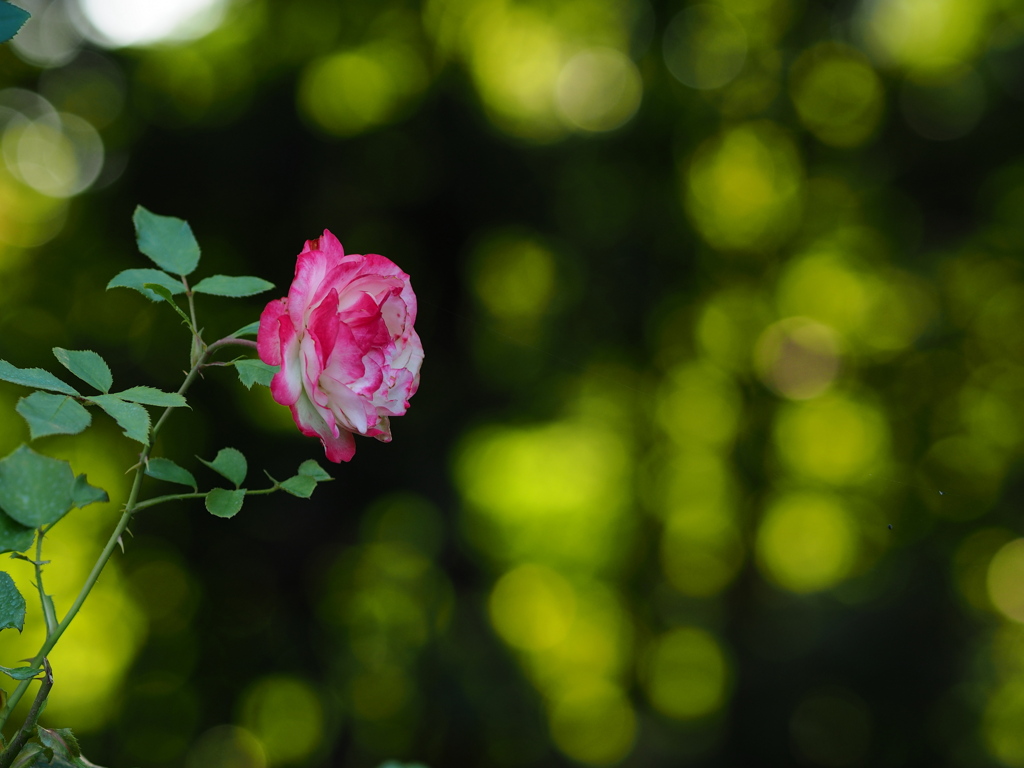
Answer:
[(34, 377), (86, 365), (310, 468), (11, 19), (48, 414), (152, 396), (137, 279), (164, 294), (14, 537), (300, 485), (230, 463), (252, 329), (224, 503), (83, 494), (12, 604), (21, 673), (252, 371), (132, 418), (165, 469), (168, 241), (70, 740), (34, 755), (234, 287), (35, 490), (61, 741)]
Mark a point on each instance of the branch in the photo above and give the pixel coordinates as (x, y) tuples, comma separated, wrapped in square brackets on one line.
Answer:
[(8, 756)]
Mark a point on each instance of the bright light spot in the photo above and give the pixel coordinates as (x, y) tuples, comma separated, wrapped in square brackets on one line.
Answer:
[(59, 155), (228, 746), (518, 90), (824, 285), (730, 324), (991, 413), (742, 188), (121, 23), (595, 645), (807, 542), (971, 564), (701, 549), (49, 38), (1004, 712), (705, 47), (593, 723), (924, 35), (28, 218), (687, 674), (353, 91), (523, 483), (1006, 580), (532, 607), (834, 282), (797, 357), (514, 277), (598, 90), (699, 403), (832, 439), (695, 476), (837, 94), (285, 714)]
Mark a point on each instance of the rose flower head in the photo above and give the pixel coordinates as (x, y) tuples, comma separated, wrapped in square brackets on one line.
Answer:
[(344, 338)]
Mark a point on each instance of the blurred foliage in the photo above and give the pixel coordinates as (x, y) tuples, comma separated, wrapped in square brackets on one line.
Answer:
[(716, 460)]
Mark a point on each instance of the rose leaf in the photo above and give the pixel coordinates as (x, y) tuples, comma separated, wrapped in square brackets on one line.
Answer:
[(167, 240), (48, 414)]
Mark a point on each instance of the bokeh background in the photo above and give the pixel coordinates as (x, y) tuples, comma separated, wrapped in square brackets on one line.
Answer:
[(716, 459)]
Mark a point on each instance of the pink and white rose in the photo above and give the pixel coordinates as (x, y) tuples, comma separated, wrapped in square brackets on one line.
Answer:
[(344, 338)]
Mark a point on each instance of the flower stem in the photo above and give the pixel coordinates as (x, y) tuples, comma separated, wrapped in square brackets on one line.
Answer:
[(44, 600), (197, 495), (11, 753), (83, 593), (129, 509)]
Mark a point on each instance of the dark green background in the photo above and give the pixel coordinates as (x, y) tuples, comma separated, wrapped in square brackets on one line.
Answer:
[(903, 660)]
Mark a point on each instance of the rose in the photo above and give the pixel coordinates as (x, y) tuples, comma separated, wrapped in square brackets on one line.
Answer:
[(344, 338)]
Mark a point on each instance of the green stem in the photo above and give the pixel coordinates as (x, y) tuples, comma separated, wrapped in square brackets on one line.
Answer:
[(9, 755), (197, 495), (45, 603), (233, 340), (198, 348), (108, 550), (133, 505)]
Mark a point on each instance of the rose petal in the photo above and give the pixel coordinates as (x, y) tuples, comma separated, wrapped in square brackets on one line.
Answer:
[(286, 386), (268, 337), (347, 406), (323, 326), (338, 447)]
